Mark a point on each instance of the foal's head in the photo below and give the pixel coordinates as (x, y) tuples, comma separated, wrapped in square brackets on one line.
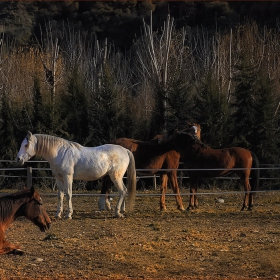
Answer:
[(27, 148), (179, 140), (196, 128), (187, 136), (34, 210)]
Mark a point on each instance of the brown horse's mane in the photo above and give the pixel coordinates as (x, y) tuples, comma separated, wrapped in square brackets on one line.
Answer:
[(6, 207), (200, 143), (7, 202)]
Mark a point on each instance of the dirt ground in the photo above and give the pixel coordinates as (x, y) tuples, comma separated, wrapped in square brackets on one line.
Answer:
[(217, 241)]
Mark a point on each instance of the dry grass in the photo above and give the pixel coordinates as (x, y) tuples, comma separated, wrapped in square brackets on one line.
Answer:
[(217, 241)]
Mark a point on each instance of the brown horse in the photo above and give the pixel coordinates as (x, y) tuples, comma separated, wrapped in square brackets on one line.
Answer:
[(154, 157), (196, 155), (26, 203)]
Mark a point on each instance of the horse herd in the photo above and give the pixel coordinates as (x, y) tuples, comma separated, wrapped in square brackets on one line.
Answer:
[(71, 161)]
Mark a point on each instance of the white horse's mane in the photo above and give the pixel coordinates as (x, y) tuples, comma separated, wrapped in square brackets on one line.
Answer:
[(47, 142)]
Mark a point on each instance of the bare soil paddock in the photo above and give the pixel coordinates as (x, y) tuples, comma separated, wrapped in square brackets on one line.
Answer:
[(217, 241)]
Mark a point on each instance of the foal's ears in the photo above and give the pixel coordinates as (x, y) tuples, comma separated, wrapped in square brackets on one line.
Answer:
[(28, 136), (32, 190)]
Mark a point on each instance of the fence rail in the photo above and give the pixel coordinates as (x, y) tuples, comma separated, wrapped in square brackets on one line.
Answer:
[(30, 174)]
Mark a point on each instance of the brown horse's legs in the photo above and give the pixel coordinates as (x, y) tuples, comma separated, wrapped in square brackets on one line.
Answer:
[(251, 202), (175, 186), (250, 195), (104, 200), (6, 247), (193, 190), (163, 189), (248, 198)]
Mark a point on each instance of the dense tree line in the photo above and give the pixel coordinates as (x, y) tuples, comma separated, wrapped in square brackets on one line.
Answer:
[(120, 21), (74, 83)]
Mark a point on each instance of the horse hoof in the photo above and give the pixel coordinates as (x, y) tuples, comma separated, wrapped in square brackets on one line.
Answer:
[(181, 208), (162, 208), (68, 218), (119, 215)]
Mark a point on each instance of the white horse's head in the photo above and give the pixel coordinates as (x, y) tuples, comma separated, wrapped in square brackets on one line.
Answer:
[(27, 148)]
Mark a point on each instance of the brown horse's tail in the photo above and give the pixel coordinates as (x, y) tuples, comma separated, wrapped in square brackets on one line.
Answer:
[(131, 180), (255, 173)]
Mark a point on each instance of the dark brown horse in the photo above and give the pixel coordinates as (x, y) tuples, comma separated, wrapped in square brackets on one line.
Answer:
[(197, 155), (154, 157), (27, 203)]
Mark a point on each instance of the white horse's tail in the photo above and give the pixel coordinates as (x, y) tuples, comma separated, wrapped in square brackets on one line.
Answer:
[(131, 180)]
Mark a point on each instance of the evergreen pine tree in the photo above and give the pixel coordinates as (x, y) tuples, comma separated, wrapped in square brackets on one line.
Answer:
[(40, 120), (9, 145), (105, 120), (180, 104), (75, 108), (159, 115), (264, 144), (211, 112), (244, 104)]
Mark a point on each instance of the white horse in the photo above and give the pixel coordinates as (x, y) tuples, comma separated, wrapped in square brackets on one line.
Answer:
[(71, 161)]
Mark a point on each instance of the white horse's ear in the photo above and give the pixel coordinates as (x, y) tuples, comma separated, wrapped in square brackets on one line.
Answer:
[(29, 134)]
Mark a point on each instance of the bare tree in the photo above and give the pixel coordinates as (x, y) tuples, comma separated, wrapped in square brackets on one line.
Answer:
[(159, 57), (53, 68)]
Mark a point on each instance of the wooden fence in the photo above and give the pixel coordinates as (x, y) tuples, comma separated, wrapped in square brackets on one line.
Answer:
[(30, 172)]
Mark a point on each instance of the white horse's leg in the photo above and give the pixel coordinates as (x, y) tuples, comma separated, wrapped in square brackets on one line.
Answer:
[(60, 196), (122, 192), (123, 204), (68, 179), (104, 203)]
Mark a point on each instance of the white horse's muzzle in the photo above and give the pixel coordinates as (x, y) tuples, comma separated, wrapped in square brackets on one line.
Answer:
[(22, 159)]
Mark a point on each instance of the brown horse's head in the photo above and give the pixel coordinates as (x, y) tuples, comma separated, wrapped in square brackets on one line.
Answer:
[(192, 128), (34, 210), (182, 141), (189, 134)]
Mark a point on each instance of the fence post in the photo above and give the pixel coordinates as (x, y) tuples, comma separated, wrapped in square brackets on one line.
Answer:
[(155, 182), (29, 176)]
